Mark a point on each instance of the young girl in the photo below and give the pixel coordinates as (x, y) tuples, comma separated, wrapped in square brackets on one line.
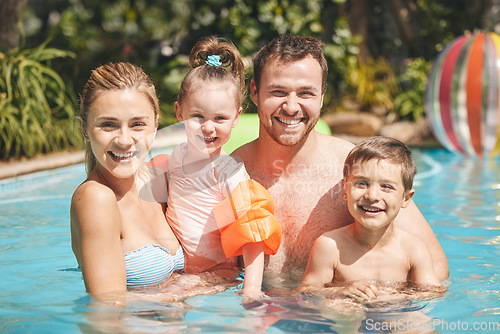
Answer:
[(214, 208)]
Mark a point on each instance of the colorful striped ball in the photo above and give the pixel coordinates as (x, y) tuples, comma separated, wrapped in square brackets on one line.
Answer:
[(462, 95)]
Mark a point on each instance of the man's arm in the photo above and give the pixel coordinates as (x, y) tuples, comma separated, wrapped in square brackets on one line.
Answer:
[(412, 221), (422, 270)]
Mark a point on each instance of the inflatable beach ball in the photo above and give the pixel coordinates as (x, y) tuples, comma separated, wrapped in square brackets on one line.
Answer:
[(462, 95)]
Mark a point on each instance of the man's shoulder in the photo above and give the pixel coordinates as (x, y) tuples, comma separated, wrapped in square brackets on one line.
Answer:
[(330, 150), (245, 151), (339, 144)]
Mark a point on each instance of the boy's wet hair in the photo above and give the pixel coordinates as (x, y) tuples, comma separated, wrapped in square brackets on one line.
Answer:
[(383, 148), (290, 48)]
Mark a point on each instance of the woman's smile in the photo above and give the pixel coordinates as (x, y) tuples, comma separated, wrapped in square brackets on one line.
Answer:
[(123, 156)]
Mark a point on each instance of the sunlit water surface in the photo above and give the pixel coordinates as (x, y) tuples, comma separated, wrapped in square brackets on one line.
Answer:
[(41, 290)]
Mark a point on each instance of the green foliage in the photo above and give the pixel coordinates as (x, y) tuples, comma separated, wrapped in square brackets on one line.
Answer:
[(158, 34), (37, 108), (410, 102), (373, 82), (341, 54), (442, 21), (430, 25)]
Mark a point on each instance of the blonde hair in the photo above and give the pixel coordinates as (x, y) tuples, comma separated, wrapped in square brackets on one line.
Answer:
[(113, 77), (231, 68)]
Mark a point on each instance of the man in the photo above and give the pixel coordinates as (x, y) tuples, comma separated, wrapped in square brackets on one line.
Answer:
[(301, 168)]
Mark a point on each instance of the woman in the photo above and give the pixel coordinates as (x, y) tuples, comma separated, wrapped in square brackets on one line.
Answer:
[(119, 239)]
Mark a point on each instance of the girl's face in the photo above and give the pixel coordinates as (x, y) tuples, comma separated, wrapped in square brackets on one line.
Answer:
[(209, 112), (120, 127)]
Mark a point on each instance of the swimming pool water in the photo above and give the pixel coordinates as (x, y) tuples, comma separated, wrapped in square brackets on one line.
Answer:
[(41, 290)]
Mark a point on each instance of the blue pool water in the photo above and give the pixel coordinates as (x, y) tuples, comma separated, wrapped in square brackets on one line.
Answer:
[(41, 290)]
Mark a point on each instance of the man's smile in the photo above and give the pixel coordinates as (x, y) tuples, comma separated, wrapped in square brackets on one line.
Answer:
[(288, 121)]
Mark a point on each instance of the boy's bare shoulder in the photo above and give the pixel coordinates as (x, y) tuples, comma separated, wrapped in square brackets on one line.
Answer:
[(337, 235), (339, 232), (325, 245), (409, 242)]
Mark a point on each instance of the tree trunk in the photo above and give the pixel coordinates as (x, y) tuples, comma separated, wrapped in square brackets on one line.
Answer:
[(10, 13), (403, 13), (359, 24), (492, 18)]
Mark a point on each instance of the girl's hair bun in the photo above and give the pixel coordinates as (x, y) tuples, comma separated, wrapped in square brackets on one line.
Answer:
[(229, 55), (224, 63)]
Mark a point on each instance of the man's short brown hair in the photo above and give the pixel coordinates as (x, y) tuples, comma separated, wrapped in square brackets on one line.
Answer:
[(290, 48)]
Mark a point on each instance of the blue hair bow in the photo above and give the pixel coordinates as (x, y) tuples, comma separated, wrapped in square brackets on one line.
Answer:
[(213, 60)]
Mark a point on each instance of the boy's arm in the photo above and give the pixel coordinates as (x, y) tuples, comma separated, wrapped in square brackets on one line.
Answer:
[(322, 262), (422, 269)]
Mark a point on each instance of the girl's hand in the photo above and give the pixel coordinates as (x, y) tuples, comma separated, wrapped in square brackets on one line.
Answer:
[(249, 295), (253, 258)]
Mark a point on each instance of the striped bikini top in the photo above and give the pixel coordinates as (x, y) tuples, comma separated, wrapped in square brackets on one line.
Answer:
[(151, 265)]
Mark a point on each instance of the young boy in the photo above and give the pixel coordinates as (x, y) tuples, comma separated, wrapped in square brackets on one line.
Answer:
[(377, 183)]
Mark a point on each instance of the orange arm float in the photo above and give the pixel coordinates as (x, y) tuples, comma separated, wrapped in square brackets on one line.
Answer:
[(247, 216), (159, 161)]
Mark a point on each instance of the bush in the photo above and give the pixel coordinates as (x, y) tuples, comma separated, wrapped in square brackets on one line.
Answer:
[(410, 102), (373, 83), (37, 108)]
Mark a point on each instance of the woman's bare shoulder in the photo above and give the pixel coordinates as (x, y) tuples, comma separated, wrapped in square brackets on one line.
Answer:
[(93, 191), (92, 197)]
